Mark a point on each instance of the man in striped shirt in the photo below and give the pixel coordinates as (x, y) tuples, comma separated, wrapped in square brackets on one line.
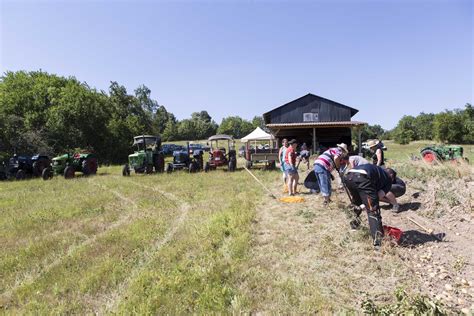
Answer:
[(324, 164)]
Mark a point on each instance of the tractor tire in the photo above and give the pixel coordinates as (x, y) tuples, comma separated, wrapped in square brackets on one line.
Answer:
[(149, 169), (47, 174), (272, 165), (90, 166), (192, 167), (429, 156), (125, 171), (37, 169), (169, 168), (159, 163), (69, 172), (20, 175), (248, 164), (232, 165), (207, 167)]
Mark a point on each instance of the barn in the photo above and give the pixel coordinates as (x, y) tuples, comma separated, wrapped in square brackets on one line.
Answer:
[(314, 120)]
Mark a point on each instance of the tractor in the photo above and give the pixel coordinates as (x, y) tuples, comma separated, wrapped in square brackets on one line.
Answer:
[(147, 156), (67, 165), (442, 153), (22, 167), (220, 156), (182, 160)]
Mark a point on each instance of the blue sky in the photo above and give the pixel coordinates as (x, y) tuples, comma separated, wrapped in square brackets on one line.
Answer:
[(385, 58)]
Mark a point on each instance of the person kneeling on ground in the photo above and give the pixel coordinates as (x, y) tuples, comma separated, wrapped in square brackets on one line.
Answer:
[(290, 167), (397, 190), (324, 164), (367, 184)]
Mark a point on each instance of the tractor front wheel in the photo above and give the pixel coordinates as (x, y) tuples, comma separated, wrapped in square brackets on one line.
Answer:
[(47, 174), (69, 172), (429, 156), (125, 171), (192, 167), (20, 175), (207, 167)]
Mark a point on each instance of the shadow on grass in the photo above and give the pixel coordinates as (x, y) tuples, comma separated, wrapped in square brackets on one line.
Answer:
[(413, 206), (411, 238)]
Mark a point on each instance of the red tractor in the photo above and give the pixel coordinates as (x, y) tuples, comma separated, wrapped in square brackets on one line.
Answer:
[(221, 156)]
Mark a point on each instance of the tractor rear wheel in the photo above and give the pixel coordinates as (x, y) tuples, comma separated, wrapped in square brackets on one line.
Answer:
[(69, 172), (20, 175), (232, 165), (169, 168), (47, 174), (125, 170), (159, 163), (429, 156), (89, 166)]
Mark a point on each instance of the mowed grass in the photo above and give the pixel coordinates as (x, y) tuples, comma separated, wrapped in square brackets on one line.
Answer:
[(188, 243), (168, 243)]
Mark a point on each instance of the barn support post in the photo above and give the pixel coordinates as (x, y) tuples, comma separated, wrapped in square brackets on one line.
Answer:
[(359, 145), (314, 140)]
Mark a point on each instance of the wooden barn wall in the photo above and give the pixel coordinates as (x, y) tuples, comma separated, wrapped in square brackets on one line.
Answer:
[(293, 112)]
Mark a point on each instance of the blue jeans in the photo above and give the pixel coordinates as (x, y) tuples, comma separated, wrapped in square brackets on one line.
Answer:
[(324, 179)]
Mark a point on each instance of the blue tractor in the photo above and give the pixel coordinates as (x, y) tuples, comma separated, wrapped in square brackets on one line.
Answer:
[(22, 167), (183, 160)]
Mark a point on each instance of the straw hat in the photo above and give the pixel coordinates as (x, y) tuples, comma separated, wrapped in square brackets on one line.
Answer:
[(373, 143), (343, 147)]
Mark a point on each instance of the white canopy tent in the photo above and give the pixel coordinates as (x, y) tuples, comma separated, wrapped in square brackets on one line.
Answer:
[(257, 134)]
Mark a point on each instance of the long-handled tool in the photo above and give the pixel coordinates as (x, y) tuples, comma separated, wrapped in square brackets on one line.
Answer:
[(428, 230), (256, 179)]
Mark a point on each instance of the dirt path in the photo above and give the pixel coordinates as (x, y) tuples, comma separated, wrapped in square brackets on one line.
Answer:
[(305, 256)]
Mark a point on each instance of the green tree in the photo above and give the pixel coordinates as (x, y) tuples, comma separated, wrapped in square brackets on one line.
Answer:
[(424, 126), (235, 126), (257, 121), (404, 133), (449, 127)]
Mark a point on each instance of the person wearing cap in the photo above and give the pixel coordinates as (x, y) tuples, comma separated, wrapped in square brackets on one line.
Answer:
[(290, 167), (368, 184), (281, 160), (324, 164), (377, 152)]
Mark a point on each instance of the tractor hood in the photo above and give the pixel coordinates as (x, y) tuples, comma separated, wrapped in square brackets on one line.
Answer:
[(59, 158)]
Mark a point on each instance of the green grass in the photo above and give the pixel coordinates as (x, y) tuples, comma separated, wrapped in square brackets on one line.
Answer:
[(96, 244), (187, 243)]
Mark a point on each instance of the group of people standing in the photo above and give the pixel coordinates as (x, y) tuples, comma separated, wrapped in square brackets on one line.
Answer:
[(367, 183)]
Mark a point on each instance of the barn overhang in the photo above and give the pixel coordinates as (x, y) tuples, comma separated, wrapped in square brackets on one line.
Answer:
[(317, 130)]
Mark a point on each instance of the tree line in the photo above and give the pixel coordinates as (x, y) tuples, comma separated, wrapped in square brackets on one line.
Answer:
[(455, 127), (50, 114)]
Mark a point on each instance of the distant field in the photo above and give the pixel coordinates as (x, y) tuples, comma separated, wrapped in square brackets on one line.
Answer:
[(184, 243), (403, 152)]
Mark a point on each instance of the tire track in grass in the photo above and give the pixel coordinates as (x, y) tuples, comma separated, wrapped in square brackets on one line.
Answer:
[(113, 299), (30, 278)]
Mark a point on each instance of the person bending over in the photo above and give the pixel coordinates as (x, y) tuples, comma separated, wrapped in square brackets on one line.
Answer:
[(367, 184)]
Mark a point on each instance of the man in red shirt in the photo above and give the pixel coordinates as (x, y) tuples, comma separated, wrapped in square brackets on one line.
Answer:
[(290, 167)]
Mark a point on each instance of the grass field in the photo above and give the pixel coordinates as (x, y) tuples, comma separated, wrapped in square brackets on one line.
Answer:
[(181, 243)]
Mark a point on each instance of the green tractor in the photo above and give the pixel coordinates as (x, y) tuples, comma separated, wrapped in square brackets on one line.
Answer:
[(147, 156), (435, 153), (68, 165)]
